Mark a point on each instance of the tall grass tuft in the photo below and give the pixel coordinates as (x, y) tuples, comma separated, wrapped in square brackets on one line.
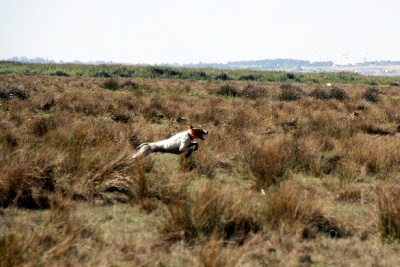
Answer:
[(270, 162), (58, 241), (11, 250), (290, 208), (43, 125), (388, 199), (213, 210)]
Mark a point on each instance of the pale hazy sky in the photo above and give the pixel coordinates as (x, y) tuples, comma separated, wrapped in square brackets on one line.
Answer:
[(188, 31)]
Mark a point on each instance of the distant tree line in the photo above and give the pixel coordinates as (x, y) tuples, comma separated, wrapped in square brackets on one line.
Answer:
[(265, 64)]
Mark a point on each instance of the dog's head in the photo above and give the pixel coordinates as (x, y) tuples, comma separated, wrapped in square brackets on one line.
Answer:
[(197, 132)]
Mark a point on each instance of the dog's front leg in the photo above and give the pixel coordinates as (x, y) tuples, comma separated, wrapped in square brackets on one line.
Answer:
[(186, 148), (195, 144), (189, 153)]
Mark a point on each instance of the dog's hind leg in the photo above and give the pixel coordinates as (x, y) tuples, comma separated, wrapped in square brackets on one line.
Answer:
[(144, 150)]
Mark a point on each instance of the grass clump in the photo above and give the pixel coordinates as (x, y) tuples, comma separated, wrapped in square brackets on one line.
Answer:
[(320, 93), (252, 91), (59, 73), (249, 77), (291, 207), (372, 94), (60, 237), (212, 211), (111, 84), (8, 92), (290, 92), (228, 91), (270, 162), (43, 125), (338, 93), (121, 117), (388, 212), (223, 77), (131, 85)]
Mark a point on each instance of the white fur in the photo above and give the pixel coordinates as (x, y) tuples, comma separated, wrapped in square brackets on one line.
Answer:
[(176, 144)]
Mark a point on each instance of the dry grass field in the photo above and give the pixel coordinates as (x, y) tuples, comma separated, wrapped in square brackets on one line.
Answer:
[(290, 174)]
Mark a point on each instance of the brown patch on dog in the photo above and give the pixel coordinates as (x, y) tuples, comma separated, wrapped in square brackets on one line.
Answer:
[(197, 132)]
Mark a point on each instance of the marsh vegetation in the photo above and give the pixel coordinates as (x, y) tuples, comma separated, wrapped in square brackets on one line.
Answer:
[(292, 173)]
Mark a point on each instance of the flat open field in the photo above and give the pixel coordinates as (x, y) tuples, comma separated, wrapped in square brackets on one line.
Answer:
[(291, 173)]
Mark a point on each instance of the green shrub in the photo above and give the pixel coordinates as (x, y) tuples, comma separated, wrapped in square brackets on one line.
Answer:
[(291, 76), (7, 92), (59, 73), (203, 75), (334, 93), (372, 94), (290, 92), (338, 93), (111, 84), (131, 85), (228, 90), (320, 93), (123, 71), (156, 71), (251, 91), (249, 77), (102, 74), (173, 73), (223, 76)]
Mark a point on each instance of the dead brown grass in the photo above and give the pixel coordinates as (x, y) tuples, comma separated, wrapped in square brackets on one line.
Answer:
[(283, 178)]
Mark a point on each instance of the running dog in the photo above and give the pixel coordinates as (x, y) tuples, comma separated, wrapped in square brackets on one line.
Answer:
[(177, 144)]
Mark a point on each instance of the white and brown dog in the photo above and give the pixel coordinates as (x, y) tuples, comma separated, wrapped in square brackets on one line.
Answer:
[(177, 144)]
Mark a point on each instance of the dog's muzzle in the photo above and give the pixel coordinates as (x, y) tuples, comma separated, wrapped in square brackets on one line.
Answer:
[(204, 133)]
